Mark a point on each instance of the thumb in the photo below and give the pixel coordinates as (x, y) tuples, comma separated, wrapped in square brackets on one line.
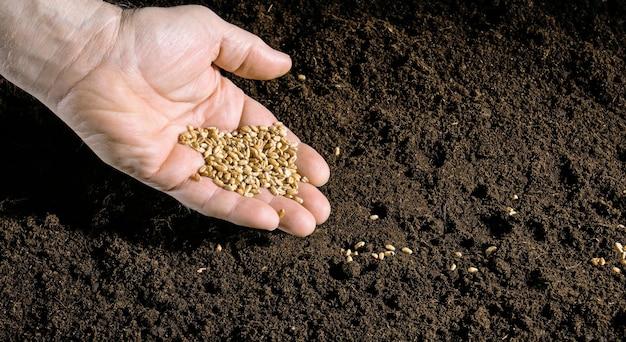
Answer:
[(246, 55)]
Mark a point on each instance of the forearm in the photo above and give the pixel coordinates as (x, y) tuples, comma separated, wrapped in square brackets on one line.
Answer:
[(46, 46)]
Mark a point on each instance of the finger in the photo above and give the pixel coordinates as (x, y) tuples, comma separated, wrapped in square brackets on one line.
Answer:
[(296, 219), (312, 165), (315, 202), (246, 55), (210, 200), (299, 219)]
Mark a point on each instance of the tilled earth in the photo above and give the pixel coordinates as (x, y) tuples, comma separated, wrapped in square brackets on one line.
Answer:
[(462, 125)]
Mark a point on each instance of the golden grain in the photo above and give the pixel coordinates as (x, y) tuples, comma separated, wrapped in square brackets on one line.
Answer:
[(472, 270), (374, 217), (490, 250), (381, 255), (246, 160), (458, 254), (407, 250), (218, 247), (619, 248), (359, 244), (617, 270), (281, 213), (452, 267), (390, 247), (349, 259)]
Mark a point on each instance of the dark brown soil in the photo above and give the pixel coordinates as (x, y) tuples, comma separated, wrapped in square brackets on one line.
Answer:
[(443, 110)]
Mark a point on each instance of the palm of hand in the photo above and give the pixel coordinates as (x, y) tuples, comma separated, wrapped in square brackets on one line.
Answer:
[(161, 76)]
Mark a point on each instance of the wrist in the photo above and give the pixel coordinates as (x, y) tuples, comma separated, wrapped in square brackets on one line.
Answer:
[(46, 46)]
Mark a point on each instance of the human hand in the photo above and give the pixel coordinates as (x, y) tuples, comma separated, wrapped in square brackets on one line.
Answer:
[(160, 74)]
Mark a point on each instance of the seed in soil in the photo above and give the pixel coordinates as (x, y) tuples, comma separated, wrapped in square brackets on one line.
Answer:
[(452, 267), (458, 254), (359, 244), (490, 250), (472, 270), (248, 159), (390, 247), (510, 211), (374, 217), (598, 261), (407, 250)]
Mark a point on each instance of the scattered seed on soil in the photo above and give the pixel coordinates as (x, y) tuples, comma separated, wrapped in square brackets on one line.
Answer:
[(458, 254), (218, 247), (390, 247), (617, 270), (381, 255), (359, 244), (248, 159), (201, 269), (510, 211), (452, 267), (598, 261), (373, 217), (301, 77), (472, 270), (490, 250), (348, 252), (515, 197), (389, 253), (337, 151), (349, 258), (619, 248), (407, 250), (375, 255), (623, 262)]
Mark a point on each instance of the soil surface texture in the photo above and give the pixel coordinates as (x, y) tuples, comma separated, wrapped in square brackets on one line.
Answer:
[(461, 124)]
